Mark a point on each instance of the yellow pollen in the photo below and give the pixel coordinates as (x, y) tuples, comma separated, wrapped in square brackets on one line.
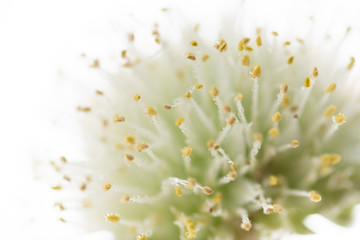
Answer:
[(141, 237), (198, 86), (258, 41), (119, 118), (307, 82), (246, 226), (166, 106), (340, 118), (290, 60), (231, 121), (123, 53), (273, 180), (191, 235), (315, 72), (330, 159), (84, 109), (215, 147), (141, 147), (218, 198), (210, 143), (63, 159), (188, 95), (125, 199), (129, 158), (287, 43), (221, 46), (186, 151), (98, 92), (205, 57), (137, 97), (285, 101), (193, 43), (239, 97), (331, 88), (191, 183), (351, 64), (294, 143), (179, 121), (248, 48), (95, 64), (256, 73), (232, 175), (57, 187), (315, 197), (277, 208), (329, 111), (130, 139), (274, 132), (190, 56), (190, 226), (178, 190), (284, 88), (227, 108), (276, 117), (245, 61), (275, 34), (112, 218), (107, 187), (214, 92), (150, 111), (207, 190)]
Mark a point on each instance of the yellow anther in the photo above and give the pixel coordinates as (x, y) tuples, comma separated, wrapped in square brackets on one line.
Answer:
[(57, 187), (277, 208), (179, 121), (106, 187), (190, 227), (83, 187), (186, 151), (210, 143), (141, 147), (198, 86), (315, 72), (216, 147), (150, 111), (275, 34), (123, 53), (125, 198), (231, 121), (284, 88), (256, 73), (331, 87), (221, 46), (232, 175), (227, 108), (205, 57), (294, 143), (273, 180), (207, 190), (67, 178), (248, 48), (214, 92), (245, 61), (307, 82), (63, 159), (287, 43), (62, 220), (329, 111), (129, 158), (130, 139), (187, 221), (315, 197), (112, 218), (118, 118), (58, 204), (218, 198), (84, 109), (286, 101), (188, 95), (276, 117), (239, 97), (340, 118), (242, 43), (178, 190), (191, 235), (258, 41), (95, 64), (246, 225), (98, 92), (351, 64), (258, 137), (274, 132), (157, 40), (166, 106), (233, 167), (141, 237), (193, 43), (246, 40), (191, 183), (290, 60), (137, 97), (330, 159), (190, 56)]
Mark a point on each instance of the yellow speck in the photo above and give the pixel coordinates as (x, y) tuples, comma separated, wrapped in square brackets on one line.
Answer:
[(129, 158), (205, 57), (287, 43), (351, 64), (193, 43), (218, 198), (315, 197), (248, 48), (258, 41), (307, 82), (227, 108), (62, 220), (130, 139), (245, 61), (221, 46), (125, 198), (285, 101), (275, 33), (340, 118), (214, 92), (273, 180), (84, 109), (246, 225), (166, 106), (186, 151), (150, 111), (63, 159), (239, 97), (210, 143), (207, 190), (190, 56), (277, 208), (258, 137), (98, 92), (294, 143), (106, 187), (290, 60), (191, 183), (330, 159), (137, 97), (123, 53), (276, 117), (256, 73), (188, 95), (284, 88), (231, 121), (179, 121), (57, 187), (329, 111), (118, 118), (178, 190), (157, 40), (216, 147), (141, 147), (198, 86), (315, 72), (95, 64), (242, 43), (141, 237), (112, 218), (191, 235), (274, 132), (331, 87)]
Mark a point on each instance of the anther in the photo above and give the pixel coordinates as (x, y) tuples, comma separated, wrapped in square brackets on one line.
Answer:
[(106, 187), (214, 92), (273, 180), (198, 86), (188, 95), (190, 56), (239, 97), (125, 198), (112, 218), (141, 147), (167, 106), (294, 143), (186, 151), (231, 121), (178, 190), (307, 82), (351, 64), (290, 60), (205, 57), (339, 118), (129, 158), (276, 117), (315, 72), (57, 187), (329, 111), (286, 101), (256, 73), (331, 88), (221, 46), (130, 139), (137, 97), (98, 92), (277, 208), (150, 111), (315, 197), (258, 41), (193, 43), (207, 190), (83, 109), (284, 88), (245, 61), (141, 237), (274, 132), (246, 225), (118, 118), (179, 121), (210, 143), (227, 108)]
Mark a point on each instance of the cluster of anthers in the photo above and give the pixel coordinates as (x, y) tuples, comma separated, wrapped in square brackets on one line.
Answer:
[(224, 142)]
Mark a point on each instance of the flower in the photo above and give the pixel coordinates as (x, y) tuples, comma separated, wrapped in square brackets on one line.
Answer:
[(230, 139)]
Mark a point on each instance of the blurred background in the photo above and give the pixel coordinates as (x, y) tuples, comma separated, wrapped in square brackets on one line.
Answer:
[(40, 46)]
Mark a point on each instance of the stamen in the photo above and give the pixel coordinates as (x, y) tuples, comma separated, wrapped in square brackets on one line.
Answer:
[(118, 118), (307, 82), (276, 117), (290, 60), (315, 72), (351, 64), (331, 88), (107, 187), (130, 140), (329, 111), (207, 190), (205, 57), (256, 73), (190, 56), (137, 97), (245, 61), (221, 46), (274, 132), (258, 41), (339, 119), (193, 43), (112, 218), (150, 111)]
